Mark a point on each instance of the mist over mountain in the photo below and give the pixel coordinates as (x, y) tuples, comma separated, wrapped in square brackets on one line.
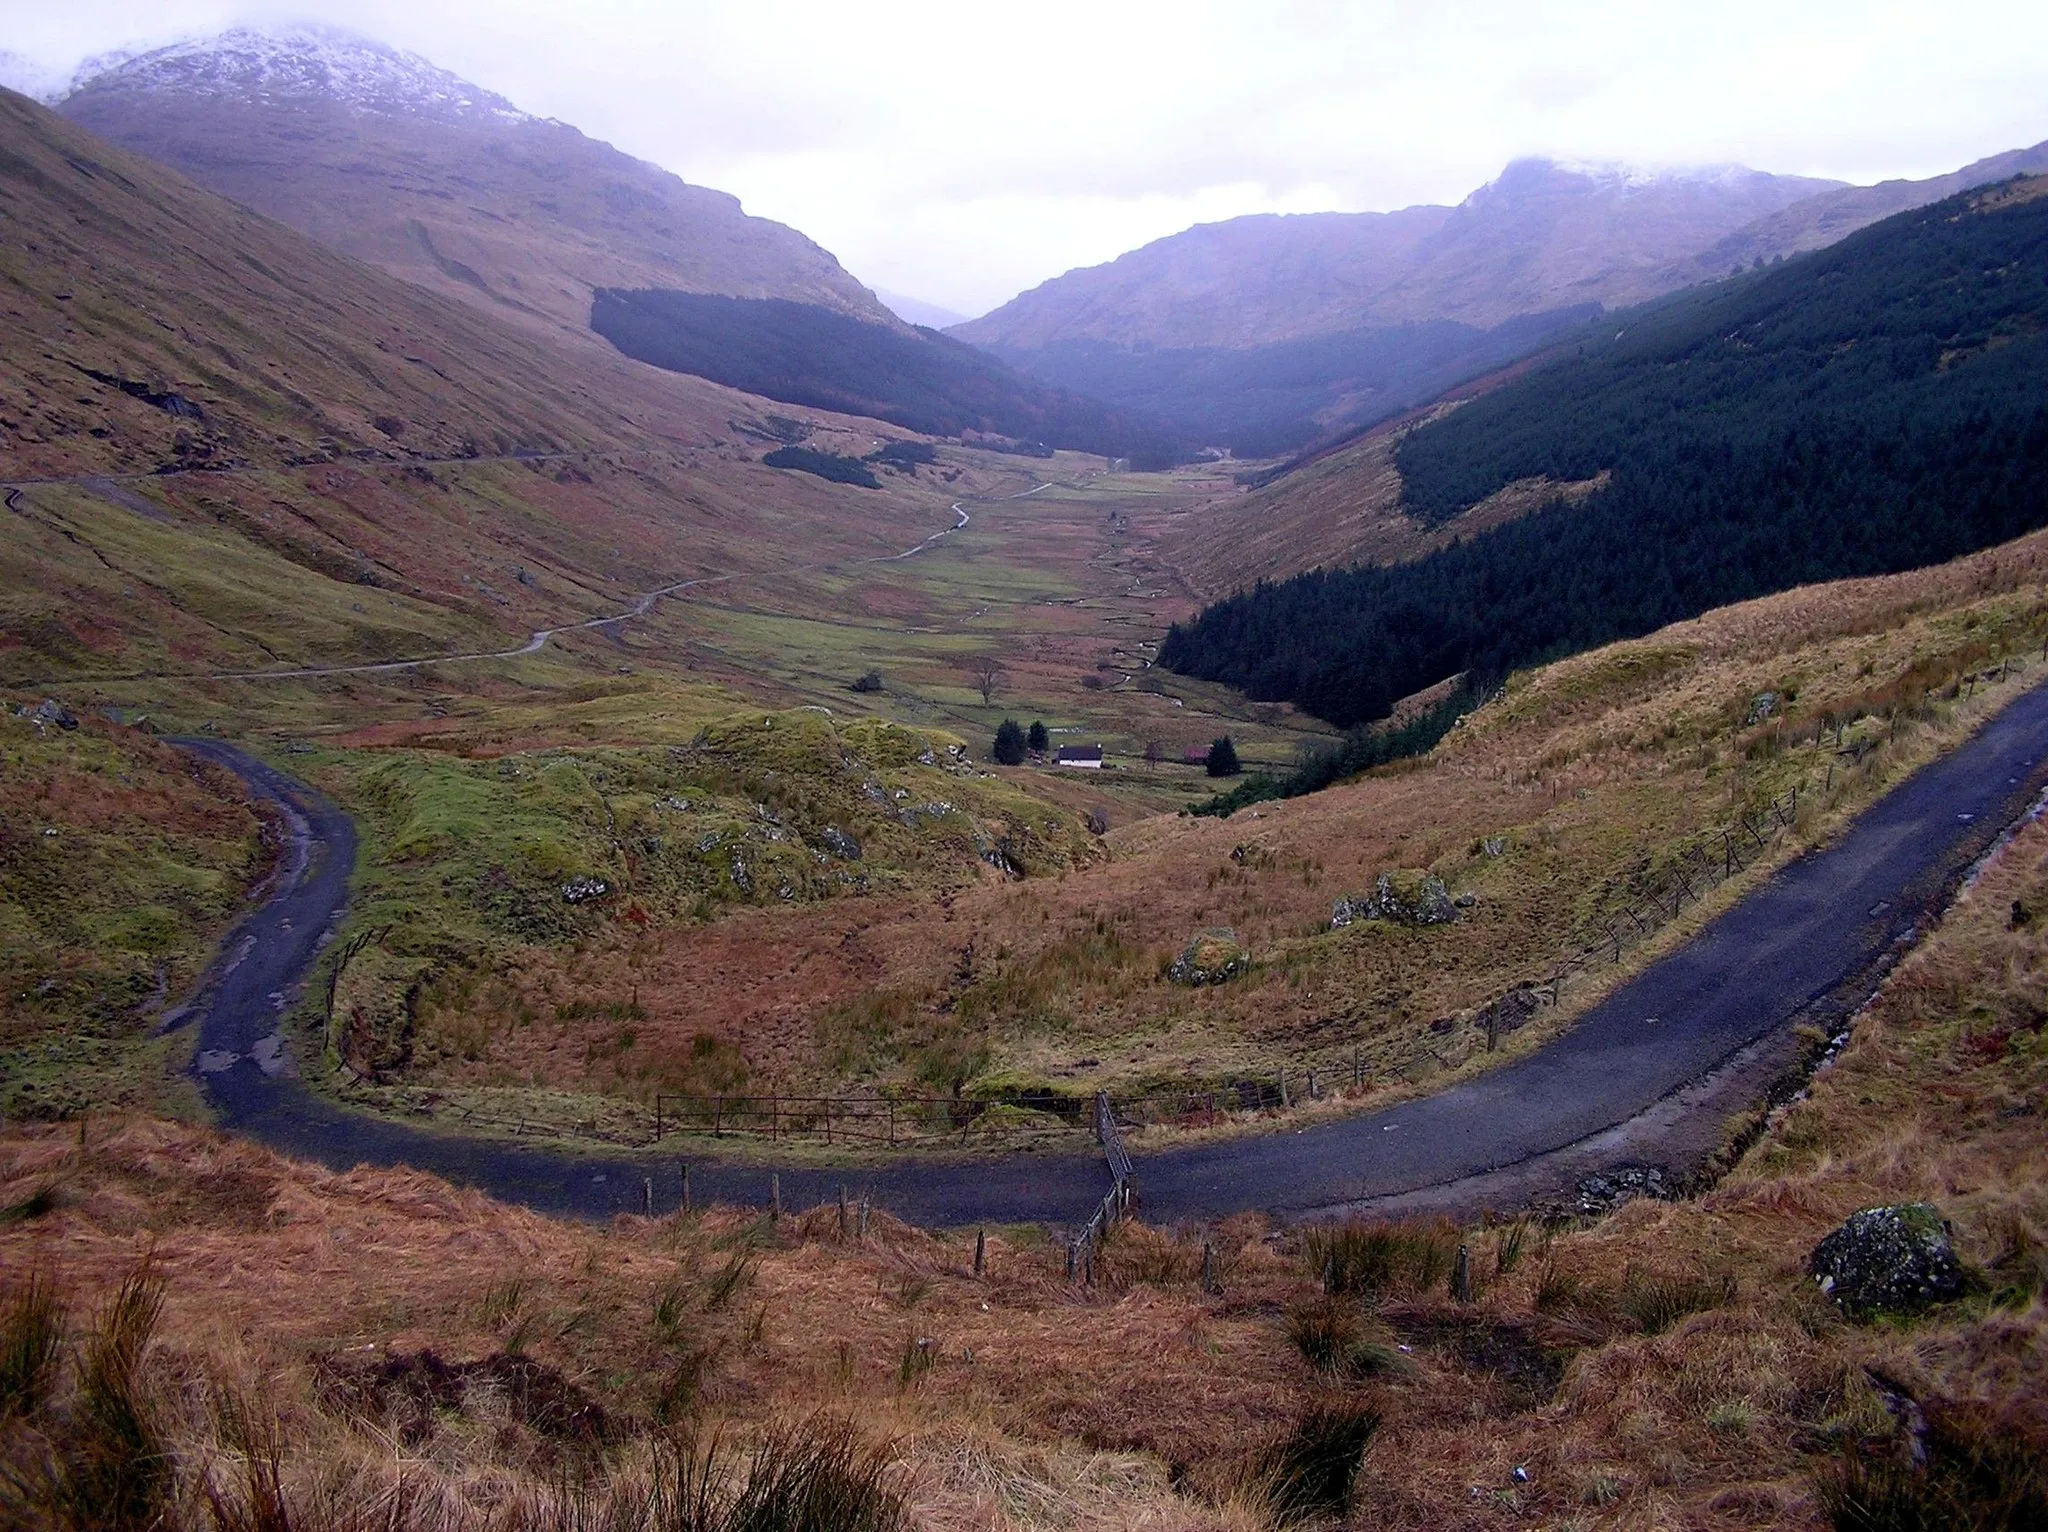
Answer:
[(930, 316), (1542, 236), (387, 157)]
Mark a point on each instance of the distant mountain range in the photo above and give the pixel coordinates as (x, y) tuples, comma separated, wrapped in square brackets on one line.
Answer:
[(1263, 333), (1543, 236)]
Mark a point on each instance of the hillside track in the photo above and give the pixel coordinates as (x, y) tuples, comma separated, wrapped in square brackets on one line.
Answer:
[(1809, 944)]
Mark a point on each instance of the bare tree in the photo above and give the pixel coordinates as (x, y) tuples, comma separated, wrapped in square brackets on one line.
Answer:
[(985, 671)]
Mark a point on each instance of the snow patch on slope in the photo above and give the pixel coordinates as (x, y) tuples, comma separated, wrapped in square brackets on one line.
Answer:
[(307, 63)]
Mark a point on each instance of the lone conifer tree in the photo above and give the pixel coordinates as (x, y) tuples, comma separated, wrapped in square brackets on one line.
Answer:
[(1222, 760), (1040, 740), (1009, 749)]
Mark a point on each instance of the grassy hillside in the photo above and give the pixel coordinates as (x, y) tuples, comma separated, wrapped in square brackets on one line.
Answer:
[(1589, 776), (153, 325), (1877, 406), (922, 380), (122, 862)]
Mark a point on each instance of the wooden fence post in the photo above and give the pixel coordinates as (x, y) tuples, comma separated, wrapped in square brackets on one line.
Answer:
[(647, 1195), (775, 1195), (1072, 1247), (657, 1117), (842, 1213), (861, 1234), (1461, 1276), (686, 1186), (1493, 1026), (980, 1252)]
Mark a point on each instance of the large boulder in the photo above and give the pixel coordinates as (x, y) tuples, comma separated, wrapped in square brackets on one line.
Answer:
[(1889, 1260), (1214, 957)]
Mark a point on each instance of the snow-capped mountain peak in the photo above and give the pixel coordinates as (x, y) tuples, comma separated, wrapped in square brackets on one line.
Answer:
[(275, 66)]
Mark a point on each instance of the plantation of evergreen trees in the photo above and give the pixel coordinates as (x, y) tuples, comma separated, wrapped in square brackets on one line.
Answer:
[(1877, 406), (924, 381)]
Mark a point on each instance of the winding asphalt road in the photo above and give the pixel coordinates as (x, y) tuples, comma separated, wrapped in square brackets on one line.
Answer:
[(1807, 944)]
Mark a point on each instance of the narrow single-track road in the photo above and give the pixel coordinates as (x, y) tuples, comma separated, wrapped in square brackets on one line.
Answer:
[(1809, 943)]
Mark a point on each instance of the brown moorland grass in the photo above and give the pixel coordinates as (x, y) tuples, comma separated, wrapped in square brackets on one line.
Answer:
[(1669, 1366), (1554, 806)]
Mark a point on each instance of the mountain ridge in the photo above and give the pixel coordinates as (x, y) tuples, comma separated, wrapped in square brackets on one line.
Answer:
[(359, 145), (1240, 282)]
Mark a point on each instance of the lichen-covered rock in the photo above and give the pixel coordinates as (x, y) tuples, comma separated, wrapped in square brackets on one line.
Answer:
[(839, 843), (583, 890), (1342, 913), (1407, 898), (51, 711), (1889, 1260), (1214, 957)]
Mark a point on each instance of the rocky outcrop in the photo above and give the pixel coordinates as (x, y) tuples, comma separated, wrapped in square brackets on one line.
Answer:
[(1406, 898), (1889, 1260), (1214, 957)]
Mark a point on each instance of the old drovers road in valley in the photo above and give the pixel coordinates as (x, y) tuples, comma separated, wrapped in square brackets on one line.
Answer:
[(1809, 941)]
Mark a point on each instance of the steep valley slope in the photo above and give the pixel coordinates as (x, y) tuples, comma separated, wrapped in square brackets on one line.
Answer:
[(383, 156)]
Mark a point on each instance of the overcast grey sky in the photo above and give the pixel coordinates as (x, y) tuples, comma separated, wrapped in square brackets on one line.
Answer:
[(962, 152)]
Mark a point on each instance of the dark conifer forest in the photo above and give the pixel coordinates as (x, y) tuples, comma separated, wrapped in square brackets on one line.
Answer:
[(923, 381), (1877, 406)]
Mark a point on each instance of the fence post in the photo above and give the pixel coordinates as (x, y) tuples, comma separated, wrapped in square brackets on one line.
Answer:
[(980, 1252), (892, 1124), (1311, 1085), (1357, 1069), (775, 1196), (1072, 1247), (686, 1186), (862, 1235), (718, 1117), (1461, 1276), (647, 1195), (842, 1212), (1493, 1026), (1284, 1103), (657, 1117)]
